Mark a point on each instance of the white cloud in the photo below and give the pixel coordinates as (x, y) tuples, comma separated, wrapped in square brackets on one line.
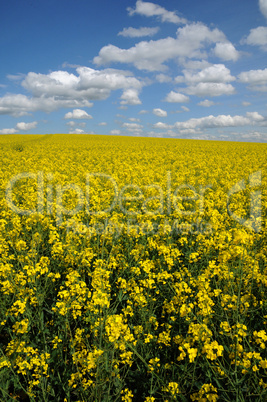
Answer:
[(210, 89), (26, 126), (187, 131), (196, 35), (179, 79), (210, 81), (263, 7), (195, 124), (77, 114), (196, 64), (255, 116), (103, 124), (150, 10), (57, 83), (215, 73), (206, 103), (71, 123), (162, 126), (130, 97), (77, 131), (143, 112), (134, 119), (226, 51), (115, 132), (160, 112), (185, 109), (252, 134), (257, 37), (132, 126), (8, 131), (61, 89), (88, 84), (256, 79), (246, 103), (16, 77), (108, 79), (144, 55), (220, 121), (74, 123), (21, 105), (138, 32), (162, 78), (151, 55), (176, 97)]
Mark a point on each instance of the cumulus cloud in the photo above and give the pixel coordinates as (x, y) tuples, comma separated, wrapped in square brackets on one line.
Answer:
[(57, 83), (221, 121), (8, 131), (206, 103), (132, 126), (77, 114), (226, 51), (215, 73), (144, 55), (255, 116), (213, 121), (196, 64), (20, 105), (143, 112), (263, 7), (61, 89), (130, 97), (162, 126), (71, 123), (88, 84), (115, 132), (77, 131), (160, 112), (210, 89), (151, 55), (138, 32), (26, 126), (210, 81), (176, 97), (148, 9), (162, 78), (256, 79), (257, 37)]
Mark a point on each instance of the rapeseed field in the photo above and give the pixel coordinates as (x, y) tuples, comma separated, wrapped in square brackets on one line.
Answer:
[(132, 269)]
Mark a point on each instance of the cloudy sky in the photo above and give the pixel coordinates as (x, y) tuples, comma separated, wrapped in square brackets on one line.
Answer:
[(172, 68)]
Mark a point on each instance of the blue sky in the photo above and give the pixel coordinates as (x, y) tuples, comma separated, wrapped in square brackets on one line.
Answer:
[(172, 68)]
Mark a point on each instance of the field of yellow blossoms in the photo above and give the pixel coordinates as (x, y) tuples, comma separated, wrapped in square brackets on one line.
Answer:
[(132, 269)]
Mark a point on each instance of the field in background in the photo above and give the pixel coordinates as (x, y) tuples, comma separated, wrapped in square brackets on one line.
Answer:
[(132, 269)]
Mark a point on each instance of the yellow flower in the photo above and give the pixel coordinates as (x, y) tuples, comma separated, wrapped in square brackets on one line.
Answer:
[(212, 350), (21, 327), (126, 395), (172, 388), (207, 393), (56, 341)]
